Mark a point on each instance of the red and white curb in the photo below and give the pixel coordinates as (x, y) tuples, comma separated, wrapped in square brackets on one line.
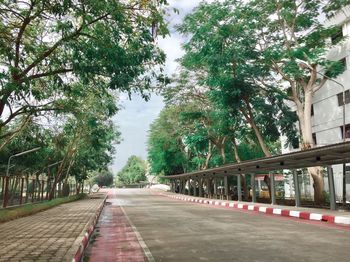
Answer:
[(79, 253), (268, 210)]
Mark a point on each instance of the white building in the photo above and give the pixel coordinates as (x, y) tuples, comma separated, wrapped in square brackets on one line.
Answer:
[(327, 120)]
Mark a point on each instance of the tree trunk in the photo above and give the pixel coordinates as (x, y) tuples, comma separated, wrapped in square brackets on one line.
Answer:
[(250, 118), (304, 116)]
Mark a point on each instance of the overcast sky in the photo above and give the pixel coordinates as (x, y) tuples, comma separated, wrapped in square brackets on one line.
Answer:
[(137, 115)]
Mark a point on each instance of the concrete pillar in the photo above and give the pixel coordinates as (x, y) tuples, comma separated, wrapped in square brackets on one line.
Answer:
[(296, 188), (226, 187), (273, 189), (239, 188), (200, 187), (331, 188), (252, 180)]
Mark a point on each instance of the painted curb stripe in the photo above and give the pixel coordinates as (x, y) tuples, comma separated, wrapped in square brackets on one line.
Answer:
[(270, 210)]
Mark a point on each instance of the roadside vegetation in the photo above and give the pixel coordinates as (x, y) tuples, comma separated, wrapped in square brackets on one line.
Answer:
[(245, 64), (133, 172), (63, 65)]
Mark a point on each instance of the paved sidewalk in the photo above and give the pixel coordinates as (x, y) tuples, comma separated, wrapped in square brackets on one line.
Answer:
[(337, 217), (51, 235)]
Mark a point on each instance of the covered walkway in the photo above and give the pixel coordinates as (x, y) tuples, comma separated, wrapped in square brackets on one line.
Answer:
[(214, 182)]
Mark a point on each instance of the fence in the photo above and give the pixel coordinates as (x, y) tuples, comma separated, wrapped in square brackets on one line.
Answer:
[(19, 190)]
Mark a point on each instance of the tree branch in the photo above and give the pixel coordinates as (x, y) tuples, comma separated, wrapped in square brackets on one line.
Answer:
[(49, 73)]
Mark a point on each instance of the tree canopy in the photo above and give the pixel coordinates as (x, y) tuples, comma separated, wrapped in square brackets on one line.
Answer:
[(133, 172)]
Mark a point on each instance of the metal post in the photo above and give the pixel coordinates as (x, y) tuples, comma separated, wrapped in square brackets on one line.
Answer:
[(215, 184), (21, 193), (273, 189), (252, 178), (200, 187), (195, 187), (6, 193), (226, 187), (208, 187), (27, 186), (42, 190), (331, 188), (188, 182), (239, 188), (3, 187), (296, 188)]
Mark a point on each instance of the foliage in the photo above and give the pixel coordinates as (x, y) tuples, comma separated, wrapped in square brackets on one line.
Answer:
[(45, 46), (103, 178), (133, 172), (166, 151)]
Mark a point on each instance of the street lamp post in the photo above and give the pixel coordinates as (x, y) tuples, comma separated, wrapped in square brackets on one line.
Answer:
[(304, 64), (4, 204)]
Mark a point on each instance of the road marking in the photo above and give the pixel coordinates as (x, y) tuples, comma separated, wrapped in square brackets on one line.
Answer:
[(142, 243)]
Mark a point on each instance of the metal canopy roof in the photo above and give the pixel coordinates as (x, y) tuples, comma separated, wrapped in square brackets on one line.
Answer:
[(319, 156)]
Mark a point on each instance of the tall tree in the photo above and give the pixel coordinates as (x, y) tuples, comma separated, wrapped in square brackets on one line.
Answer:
[(133, 172), (47, 45), (293, 42)]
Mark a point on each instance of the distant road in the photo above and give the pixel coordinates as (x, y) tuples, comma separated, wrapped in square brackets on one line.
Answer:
[(180, 231)]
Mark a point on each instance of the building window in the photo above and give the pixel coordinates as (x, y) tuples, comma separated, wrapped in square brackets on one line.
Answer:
[(337, 36), (347, 131), (340, 98), (312, 110), (314, 138)]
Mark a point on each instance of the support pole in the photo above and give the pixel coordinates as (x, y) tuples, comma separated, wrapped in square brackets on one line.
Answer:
[(189, 185), (195, 187), (208, 187), (239, 188), (215, 183), (200, 187), (226, 187), (21, 194), (252, 180), (6, 192), (296, 188), (273, 189), (331, 188)]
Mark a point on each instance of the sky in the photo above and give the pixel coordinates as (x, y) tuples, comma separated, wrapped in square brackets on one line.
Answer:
[(134, 119)]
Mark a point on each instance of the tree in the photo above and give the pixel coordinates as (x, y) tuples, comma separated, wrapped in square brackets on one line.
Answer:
[(224, 50), (263, 52), (45, 46), (293, 42), (133, 172), (103, 178)]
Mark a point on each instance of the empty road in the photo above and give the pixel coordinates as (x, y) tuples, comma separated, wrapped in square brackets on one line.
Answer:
[(180, 231)]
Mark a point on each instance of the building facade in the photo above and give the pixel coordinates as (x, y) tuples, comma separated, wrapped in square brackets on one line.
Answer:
[(329, 113)]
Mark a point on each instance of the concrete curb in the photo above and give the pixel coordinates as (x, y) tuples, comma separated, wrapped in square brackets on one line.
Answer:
[(83, 239), (267, 210)]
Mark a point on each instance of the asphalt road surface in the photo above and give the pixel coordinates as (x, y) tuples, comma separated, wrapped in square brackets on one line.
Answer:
[(181, 231)]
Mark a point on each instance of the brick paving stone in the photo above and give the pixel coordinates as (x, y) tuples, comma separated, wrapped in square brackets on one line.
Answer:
[(47, 235)]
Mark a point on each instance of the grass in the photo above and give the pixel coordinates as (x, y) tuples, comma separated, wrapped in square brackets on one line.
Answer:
[(30, 209)]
